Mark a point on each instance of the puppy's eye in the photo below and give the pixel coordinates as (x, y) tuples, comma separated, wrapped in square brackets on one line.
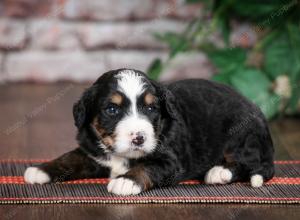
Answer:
[(150, 108), (112, 110)]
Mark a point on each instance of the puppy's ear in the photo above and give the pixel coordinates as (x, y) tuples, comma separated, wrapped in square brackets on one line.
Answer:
[(167, 100), (79, 114), (82, 108)]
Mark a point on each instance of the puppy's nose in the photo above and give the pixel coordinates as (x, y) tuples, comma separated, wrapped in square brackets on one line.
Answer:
[(138, 139)]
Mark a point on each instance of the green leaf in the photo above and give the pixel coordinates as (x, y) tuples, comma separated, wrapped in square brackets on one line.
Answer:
[(193, 1), (266, 12), (282, 55), (205, 2), (181, 46), (269, 104), (254, 9), (222, 77), (254, 85), (294, 101), (294, 38), (227, 60), (278, 57), (155, 69), (225, 28), (250, 82), (176, 42)]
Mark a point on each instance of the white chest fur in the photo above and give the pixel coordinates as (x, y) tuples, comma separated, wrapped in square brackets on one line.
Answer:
[(117, 165)]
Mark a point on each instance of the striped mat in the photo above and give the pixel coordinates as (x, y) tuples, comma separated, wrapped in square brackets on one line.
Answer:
[(283, 188)]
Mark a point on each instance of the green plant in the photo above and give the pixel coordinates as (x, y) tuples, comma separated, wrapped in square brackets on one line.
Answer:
[(273, 81)]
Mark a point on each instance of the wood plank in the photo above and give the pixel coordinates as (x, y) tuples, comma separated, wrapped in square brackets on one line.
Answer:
[(151, 211), (287, 133)]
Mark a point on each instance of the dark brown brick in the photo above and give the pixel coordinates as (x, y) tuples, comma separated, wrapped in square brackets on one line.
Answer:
[(26, 8)]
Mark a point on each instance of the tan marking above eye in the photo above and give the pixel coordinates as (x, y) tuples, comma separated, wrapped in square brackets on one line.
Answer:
[(116, 99), (149, 99)]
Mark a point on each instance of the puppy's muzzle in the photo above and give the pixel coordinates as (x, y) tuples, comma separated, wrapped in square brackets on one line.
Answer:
[(138, 139)]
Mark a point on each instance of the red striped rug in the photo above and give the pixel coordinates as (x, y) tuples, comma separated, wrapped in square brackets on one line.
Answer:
[(283, 188)]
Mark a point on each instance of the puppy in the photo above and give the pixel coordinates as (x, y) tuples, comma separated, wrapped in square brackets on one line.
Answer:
[(142, 134)]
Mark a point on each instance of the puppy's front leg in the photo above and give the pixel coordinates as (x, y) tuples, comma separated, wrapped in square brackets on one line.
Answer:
[(72, 165), (145, 176)]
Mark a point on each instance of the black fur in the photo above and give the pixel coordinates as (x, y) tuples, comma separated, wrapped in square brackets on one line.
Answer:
[(199, 124)]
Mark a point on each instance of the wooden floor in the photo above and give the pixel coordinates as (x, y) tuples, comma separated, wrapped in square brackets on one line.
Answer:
[(36, 123)]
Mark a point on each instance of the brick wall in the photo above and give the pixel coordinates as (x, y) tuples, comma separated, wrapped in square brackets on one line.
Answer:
[(50, 40)]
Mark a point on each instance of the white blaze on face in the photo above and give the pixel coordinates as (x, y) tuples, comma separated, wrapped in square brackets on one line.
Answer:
[(132, 86)]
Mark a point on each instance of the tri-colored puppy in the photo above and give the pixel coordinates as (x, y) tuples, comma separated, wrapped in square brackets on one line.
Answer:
[(143, 134)]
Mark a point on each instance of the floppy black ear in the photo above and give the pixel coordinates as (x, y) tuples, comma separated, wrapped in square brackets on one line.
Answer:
[(167, 100), (82, 108), (79, 114)]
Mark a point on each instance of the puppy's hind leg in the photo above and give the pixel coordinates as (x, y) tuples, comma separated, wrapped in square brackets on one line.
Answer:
[(226, 173), (218, 175), (256, 158), (251, 160), (263, 173)]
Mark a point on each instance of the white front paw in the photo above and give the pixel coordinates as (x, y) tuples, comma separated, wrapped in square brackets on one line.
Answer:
[(123, 186), (35, 175), (218, 175)]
